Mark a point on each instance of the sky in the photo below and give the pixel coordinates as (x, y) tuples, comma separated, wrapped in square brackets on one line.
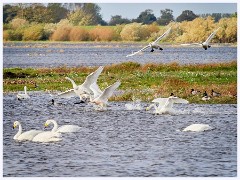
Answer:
[(132, 10)]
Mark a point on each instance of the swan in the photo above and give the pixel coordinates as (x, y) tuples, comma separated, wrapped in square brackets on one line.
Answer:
[(23, 96), (165, 105), (153, 45), (28, 135), (198, 127), (47, 136), (83, 90), (102, 99), (205, 44), (135, 105), (62, 129)]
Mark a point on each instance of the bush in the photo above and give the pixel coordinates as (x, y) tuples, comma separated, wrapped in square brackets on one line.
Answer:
[(62, 31), (34, 33), (49, 29), (17, 23), (13, 35), (101, 33), (78, 34), (134, 32)]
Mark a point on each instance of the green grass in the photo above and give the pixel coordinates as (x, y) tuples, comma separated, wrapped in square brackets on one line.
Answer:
[(144, 82)]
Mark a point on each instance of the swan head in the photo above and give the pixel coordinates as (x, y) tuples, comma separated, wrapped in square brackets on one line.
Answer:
[(46, 124), (15, 124)]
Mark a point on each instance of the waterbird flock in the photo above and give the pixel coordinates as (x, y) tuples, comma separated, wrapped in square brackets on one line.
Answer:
[(89, 92)]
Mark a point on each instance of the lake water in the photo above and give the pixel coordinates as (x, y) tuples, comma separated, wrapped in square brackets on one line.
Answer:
[(96, 54), (119, 142)]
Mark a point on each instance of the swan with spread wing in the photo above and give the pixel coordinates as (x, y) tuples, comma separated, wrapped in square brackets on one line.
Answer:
[(153, 45)]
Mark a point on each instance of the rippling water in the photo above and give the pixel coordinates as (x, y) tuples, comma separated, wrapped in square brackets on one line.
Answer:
[(119, 142), (95, 54)]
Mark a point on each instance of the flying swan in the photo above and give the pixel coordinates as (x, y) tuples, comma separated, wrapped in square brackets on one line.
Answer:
[(100, 98), (153, 45), (205, 44), (165, 105), (62, 129), (28, 135), (23, 96), (83, 90)]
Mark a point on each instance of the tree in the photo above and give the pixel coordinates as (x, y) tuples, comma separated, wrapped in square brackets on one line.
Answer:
[(9, 13), (87, 14), (118, 20), (186, 15), (166, 17), (146, 17), (57, 11)]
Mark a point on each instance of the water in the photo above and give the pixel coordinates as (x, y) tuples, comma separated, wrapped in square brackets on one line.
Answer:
[(120, 142), (95, 54)]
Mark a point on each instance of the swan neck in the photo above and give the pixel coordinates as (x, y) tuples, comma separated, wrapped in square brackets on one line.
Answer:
[(55, 126), (19, 131), (25, 90), (73, 83)]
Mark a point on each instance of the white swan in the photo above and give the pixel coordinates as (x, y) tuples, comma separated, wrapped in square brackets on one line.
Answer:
[(135, 105), (165, 105), (153, 45), (102, 99), (83, 90), (23, 96), (62, 129), (205, 44), (47, 136), (28, 135), (198, 127)]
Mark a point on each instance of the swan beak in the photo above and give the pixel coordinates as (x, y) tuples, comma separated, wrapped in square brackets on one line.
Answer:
[(45, 125), (13, 127)]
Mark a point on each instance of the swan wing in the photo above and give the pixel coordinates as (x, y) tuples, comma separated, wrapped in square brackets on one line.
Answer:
[(47, 136), (160, 101), (163, 35), (67, 94), (91, 78), (211, 36), (96, 90), (138, 51), (108, 92), (180, 100), (189, 44)]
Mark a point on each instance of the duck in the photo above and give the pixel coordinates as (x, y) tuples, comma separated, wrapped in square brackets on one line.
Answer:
[(215, 94), (23, 96), (153, 45), (28, 135), (62, 129), (205, 96), (194, 92)]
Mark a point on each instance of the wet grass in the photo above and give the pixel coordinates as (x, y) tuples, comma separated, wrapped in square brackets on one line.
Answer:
[(144, 82)]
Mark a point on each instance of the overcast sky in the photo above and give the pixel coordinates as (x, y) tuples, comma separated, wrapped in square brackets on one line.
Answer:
[(132, 10)]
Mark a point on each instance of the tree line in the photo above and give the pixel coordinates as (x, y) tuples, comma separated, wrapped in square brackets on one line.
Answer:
[(89, 14)]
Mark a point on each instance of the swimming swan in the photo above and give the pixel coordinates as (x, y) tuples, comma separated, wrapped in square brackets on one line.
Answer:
[(62, 129), (102, 99), (83, 90), (28, 135), (165, 105), (153, 45), (47, 136), (23, 96), (198, 127), (205, 44)]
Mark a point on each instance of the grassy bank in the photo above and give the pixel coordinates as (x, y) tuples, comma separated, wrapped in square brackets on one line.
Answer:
[(144, 82)]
